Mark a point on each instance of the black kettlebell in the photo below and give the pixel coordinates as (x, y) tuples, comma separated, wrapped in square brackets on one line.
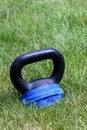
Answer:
[(42, 91)]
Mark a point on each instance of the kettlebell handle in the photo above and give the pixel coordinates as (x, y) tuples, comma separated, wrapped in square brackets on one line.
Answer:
[(28, 58)]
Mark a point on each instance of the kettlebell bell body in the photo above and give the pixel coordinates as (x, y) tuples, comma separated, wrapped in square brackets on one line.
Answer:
[(42, 91)]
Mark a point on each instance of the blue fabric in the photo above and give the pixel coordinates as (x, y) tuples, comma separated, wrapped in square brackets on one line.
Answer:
[(43, 96)]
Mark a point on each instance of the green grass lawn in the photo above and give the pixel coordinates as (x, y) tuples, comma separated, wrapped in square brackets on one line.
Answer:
[(29, 25)]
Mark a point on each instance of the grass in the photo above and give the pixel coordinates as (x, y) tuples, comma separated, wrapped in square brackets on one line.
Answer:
[(26, 26)]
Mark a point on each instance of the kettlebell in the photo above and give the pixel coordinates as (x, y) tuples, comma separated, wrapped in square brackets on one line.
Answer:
[(43, 91)]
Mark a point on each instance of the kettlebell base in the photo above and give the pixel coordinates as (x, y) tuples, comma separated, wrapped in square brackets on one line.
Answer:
[(49, 101), (43, 96)]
